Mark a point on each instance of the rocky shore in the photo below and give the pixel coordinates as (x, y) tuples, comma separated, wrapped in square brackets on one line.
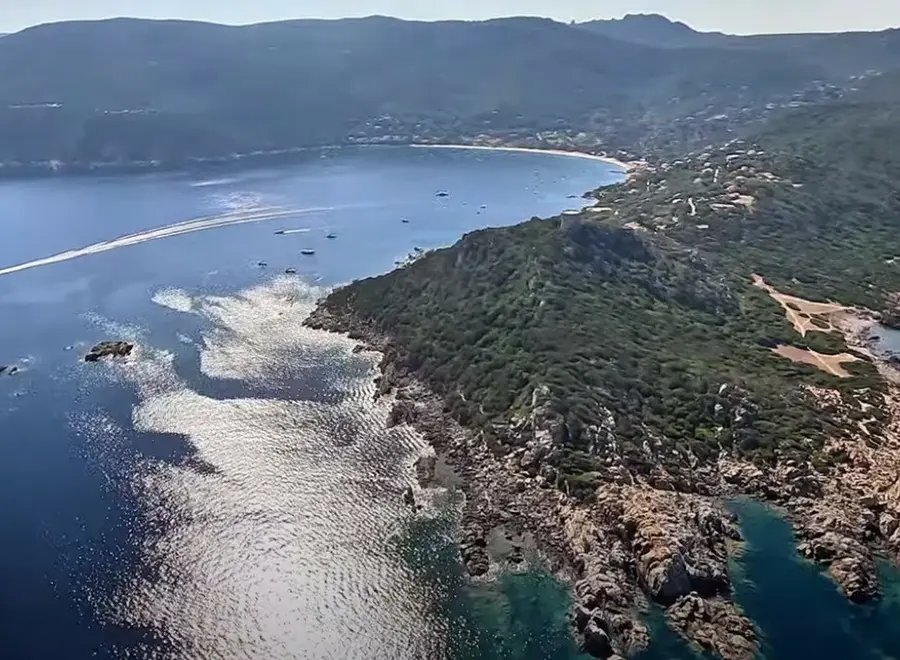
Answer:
[(663, 536), (634, 544)]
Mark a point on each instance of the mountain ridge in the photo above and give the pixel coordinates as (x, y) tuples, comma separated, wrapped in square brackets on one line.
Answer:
[(111, 93)]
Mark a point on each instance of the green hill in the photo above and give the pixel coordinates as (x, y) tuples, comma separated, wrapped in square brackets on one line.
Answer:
[(644, 326)]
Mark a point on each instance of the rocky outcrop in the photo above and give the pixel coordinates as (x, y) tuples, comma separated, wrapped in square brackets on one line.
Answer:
[(473, 549), (673, 548), (679, 543), (832, 533), (109, 349), (715, 626), (605, 593)]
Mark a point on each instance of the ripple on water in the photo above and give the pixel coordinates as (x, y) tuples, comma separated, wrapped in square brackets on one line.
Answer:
[(284, 548)]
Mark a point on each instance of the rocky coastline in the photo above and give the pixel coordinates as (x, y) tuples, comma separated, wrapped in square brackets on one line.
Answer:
[(636, 543), (659, 538)]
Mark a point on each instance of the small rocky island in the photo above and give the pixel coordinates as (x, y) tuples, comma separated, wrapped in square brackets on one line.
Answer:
[(112, 349)]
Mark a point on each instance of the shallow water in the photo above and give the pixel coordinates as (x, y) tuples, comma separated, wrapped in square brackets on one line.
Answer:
[(887, 340), (232, 491)]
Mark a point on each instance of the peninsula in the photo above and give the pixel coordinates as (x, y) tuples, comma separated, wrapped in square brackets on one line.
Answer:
[(607, 380)]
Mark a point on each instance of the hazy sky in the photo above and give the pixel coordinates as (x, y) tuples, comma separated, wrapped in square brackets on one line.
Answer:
[(735, 16)]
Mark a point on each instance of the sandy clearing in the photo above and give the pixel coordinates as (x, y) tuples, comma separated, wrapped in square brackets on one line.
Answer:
[(832, 364), (800, 312)]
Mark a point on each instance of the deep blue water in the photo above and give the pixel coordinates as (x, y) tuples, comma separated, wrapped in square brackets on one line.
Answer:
[(231, 491)]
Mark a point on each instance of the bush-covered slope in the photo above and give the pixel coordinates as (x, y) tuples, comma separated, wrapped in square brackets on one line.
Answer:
[(616, 339)]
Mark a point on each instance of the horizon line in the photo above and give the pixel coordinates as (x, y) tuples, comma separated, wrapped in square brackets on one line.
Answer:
[(157, 19)]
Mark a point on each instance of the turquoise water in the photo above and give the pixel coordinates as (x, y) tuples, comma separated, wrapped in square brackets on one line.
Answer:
[(518, 617), (798, 609)]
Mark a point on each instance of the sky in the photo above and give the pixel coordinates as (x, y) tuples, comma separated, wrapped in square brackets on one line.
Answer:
[(732, 16)]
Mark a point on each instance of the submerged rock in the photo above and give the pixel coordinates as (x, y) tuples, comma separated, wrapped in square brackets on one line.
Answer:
[(426, 467), (474, 552), (596, 640), (109, 349), (409, 497)]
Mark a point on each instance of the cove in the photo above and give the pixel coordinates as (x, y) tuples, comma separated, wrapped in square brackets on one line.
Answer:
[(798, 610)]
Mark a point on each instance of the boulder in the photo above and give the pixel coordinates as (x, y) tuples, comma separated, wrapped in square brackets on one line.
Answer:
[(425, 469), (474, 552), (596, 640)]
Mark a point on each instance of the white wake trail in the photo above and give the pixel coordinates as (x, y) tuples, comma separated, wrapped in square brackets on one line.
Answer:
[(187, 227)]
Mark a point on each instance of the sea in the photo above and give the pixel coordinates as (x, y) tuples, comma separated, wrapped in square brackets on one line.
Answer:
[(232, 490)]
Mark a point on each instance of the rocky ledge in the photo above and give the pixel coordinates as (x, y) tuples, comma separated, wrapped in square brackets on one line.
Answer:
[(109, 349)]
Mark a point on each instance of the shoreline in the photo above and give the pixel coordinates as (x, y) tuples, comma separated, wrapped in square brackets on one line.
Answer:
[(625, 167), (253, 160), (626, 547)]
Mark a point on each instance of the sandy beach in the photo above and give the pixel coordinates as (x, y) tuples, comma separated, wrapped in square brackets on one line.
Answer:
[(556, 152)]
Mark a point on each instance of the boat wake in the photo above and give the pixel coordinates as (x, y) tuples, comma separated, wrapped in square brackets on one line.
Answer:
[(188, 227)]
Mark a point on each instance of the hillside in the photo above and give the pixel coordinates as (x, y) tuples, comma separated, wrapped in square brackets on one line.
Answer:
[(652, 288), (124, 91), (696, 331), (610, 334)]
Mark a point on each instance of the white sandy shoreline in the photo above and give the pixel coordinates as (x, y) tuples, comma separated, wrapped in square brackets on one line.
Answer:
[(530, 150)]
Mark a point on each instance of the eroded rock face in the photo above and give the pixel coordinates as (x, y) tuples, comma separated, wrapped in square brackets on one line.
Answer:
[(714, 625), (672, 547), (832, 534), (109, 349), (679, 543), (604, 592)]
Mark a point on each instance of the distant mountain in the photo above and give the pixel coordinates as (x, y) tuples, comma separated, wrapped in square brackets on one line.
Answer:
[(656, 30), (128, 90), (844, 53)]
